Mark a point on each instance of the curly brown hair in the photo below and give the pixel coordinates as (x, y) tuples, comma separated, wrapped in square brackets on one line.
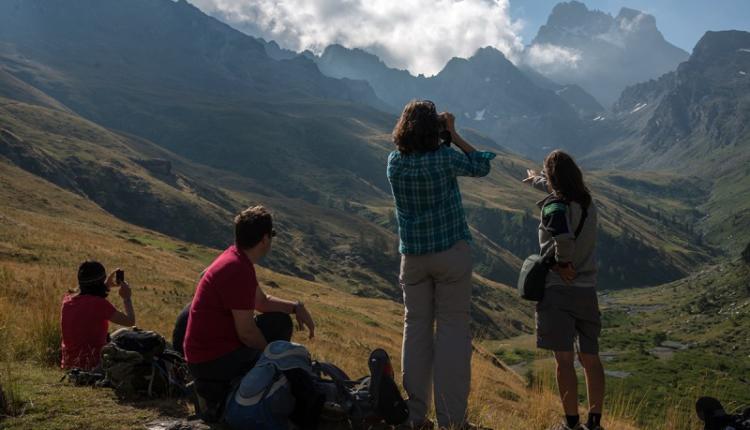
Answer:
[(251, 225), (418, 128), (565, 178)]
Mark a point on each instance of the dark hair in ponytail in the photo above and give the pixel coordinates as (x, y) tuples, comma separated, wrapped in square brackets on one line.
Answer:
[(565, 178)]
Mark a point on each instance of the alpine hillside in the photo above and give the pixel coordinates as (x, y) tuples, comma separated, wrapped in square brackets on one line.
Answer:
[(694, 121)]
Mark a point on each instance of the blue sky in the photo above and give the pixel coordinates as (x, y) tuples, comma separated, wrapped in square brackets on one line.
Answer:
[(682, 22)]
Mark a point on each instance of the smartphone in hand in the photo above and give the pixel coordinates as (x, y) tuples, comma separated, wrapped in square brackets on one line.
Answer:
[(119, 276)]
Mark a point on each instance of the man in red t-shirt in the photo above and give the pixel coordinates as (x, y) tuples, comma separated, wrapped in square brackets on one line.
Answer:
[(224, 339)]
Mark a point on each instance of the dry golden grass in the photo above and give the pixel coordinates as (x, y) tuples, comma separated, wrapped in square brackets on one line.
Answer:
[(47, 232)]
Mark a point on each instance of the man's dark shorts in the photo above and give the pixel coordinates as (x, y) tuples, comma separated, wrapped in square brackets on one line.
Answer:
[(568, 314)]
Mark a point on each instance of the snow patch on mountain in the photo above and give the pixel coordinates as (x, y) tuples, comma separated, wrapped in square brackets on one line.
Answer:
[(638, 107)]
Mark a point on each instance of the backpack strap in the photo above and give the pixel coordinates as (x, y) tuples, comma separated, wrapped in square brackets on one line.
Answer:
[(549, 256), (584, 215), (332, 371)]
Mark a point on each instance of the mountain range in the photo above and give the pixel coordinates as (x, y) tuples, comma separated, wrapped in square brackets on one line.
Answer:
[(175, 130), (138, 128), (486, 91), (693, 120)]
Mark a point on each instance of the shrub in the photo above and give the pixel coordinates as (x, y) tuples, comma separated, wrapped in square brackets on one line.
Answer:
[(12, 403), (47, 338)]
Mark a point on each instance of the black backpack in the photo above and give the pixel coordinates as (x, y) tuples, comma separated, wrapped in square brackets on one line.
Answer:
[(533, 275), (369, 400), (712, 413)]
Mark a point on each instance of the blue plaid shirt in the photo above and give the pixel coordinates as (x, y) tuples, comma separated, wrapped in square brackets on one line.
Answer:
[(428, 202)]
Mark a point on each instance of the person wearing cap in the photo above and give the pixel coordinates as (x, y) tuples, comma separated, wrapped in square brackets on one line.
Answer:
[(86, 314)]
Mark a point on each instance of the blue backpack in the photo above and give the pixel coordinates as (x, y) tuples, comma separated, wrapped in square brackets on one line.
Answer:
[(264, 398)]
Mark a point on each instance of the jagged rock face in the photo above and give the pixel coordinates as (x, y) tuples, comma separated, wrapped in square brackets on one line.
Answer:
[(706, 100), (746, 254), (612, 52), (31, 159), (486, 92), (157, 166)]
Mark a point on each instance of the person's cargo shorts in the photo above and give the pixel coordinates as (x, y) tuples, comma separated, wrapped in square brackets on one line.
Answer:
[(568, 314)]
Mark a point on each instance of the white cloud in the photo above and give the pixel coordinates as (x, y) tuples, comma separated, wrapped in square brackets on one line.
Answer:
[(548, 58), (418, 35), (630, 25)]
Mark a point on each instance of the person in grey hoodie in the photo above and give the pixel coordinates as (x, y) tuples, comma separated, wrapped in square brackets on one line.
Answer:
[(568, 317)]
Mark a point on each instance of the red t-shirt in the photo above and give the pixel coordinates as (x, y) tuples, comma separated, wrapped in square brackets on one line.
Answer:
[(84, 320), (228, 283)]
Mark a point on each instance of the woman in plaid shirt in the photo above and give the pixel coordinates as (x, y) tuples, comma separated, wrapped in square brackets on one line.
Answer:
[(436, 263)]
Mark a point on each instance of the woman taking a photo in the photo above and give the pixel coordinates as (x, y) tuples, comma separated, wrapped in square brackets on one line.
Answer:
[(568, 317), (436, 264), (86, 315)]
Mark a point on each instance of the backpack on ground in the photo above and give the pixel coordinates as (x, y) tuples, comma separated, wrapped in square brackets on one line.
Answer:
[(712, 413), (285, 387), (136, 364), (532, 278), (277, 392), (368, 400)]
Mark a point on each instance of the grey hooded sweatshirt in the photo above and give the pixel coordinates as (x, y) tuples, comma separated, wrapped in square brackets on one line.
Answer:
[(559, 220)]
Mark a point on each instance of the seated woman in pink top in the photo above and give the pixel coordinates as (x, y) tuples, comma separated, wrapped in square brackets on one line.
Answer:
[(86, 314)]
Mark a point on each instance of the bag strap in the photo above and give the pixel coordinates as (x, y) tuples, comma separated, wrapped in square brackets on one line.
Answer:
[(549, 256), (332, 371), (584, 215)]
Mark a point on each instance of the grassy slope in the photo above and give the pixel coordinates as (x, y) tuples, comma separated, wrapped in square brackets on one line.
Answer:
[(710, 312), (328, 154), (47, 231), (344, 243), (728, 221), (344, 234)]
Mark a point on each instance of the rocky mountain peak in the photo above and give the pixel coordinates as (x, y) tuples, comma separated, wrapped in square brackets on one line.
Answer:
[(490, 58), (575, 14), (718, 44), (633, 21), (611, 52)]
